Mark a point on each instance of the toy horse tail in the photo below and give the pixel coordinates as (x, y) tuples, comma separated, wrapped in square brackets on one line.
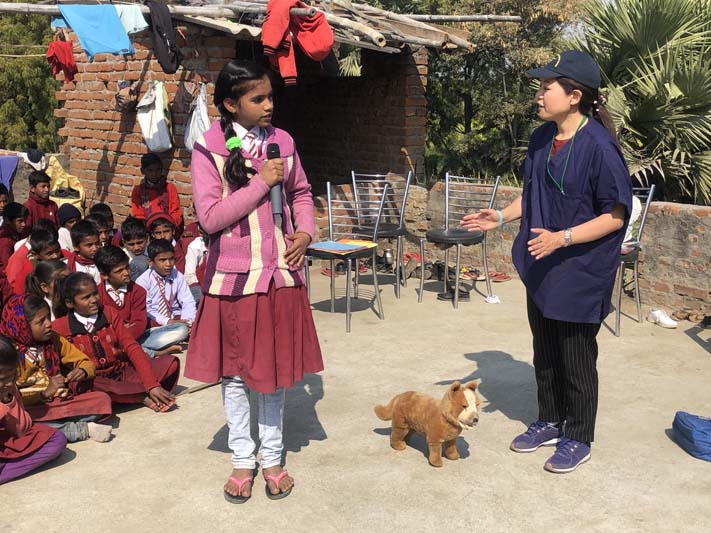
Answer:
[(385, 412)]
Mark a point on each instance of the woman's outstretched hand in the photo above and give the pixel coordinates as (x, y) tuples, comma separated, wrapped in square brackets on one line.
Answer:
[(484, 220)]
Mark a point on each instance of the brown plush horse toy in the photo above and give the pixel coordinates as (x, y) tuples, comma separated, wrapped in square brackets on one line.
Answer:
[(440, 422)]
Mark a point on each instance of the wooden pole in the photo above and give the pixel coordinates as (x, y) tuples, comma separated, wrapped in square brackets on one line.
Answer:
[(464, 18)]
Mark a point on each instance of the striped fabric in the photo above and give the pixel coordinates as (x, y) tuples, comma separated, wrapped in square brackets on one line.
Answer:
[(246, 256)]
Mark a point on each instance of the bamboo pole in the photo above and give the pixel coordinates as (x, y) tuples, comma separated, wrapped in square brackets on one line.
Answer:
[(464, 18)]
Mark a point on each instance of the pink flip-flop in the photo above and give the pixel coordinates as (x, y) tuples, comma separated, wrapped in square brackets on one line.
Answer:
[(240, 485), (276, 479)]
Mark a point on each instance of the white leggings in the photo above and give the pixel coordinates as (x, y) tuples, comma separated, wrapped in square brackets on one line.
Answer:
[(235, 397)]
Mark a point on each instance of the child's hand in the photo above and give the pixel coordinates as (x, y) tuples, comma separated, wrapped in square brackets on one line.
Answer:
[(55, 383), (272, 172), (294, 255), (160, 396), (77, 374)]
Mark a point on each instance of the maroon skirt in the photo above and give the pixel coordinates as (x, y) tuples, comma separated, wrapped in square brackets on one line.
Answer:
[(269, 340), (84, 404), (129, 388)]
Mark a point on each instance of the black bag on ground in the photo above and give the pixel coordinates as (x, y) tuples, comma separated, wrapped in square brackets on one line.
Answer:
[(165, 39)]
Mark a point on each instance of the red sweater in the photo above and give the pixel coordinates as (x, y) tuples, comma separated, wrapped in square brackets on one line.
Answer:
[(146, 201), (40, 208), (19, 266), (8, 239), (133, 312), (110, 346)]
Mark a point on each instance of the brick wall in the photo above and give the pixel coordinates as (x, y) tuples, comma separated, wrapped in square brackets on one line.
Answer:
[(339, 124)]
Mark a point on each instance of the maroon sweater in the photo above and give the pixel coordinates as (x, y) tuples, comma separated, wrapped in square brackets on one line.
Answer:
[(133, 312), (8, 239), (110, 346), (40, 208)]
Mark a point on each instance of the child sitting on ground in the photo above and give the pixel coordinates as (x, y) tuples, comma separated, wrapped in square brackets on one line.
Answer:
[(123, 370), (43, 281), (85, 239), (195, 264), (44, 246), (24, 446), (169, 301), (154, 194), (12, 230), (128, 301), (38, 204), (135, 239), (103, 226), (160, 226), (53, 375), (4, 200), (104, 210), (68, 215)]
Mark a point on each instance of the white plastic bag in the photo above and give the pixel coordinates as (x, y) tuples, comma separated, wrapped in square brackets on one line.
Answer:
[(154, 118), (199, 121)]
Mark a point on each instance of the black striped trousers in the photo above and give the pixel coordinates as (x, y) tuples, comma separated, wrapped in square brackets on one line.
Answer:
[(564, 358)]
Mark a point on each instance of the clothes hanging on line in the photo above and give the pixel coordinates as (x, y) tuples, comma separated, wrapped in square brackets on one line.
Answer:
[(98, 28)]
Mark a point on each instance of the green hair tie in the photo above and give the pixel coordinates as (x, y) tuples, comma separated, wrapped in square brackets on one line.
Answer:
[(233, 142)]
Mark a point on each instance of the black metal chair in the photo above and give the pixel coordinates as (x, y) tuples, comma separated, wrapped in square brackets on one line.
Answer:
[(392, 224), (341, 218), (463, 195), (631, 259)]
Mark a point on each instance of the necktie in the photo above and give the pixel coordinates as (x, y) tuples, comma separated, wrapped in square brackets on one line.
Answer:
[(163, 300), (89, 327), (116, 295), (250, 144)]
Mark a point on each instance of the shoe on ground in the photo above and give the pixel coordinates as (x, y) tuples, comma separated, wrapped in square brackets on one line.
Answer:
[(569, 455), (449, 295), (661, 318), (538, 434), (410, 267)]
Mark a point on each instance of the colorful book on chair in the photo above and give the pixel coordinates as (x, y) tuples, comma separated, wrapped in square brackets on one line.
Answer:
[(342, 246)]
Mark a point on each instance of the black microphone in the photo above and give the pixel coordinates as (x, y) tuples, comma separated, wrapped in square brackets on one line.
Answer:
[(275, 192)]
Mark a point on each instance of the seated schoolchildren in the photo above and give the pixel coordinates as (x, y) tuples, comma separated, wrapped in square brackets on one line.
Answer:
[(191, 231), (4, 200), (135, 239), (12, 230), (68, 215), (38, 204), (43, 281), (169, 302), (195, 264), (24, 446), (154, 194), (103, 226), (53, 375), (44, 246), (160, 226), (85, 239), (128, 300), (104, 210), (123, 370)]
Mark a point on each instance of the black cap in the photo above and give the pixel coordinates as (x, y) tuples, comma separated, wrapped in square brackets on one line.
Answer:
[(572, 64), (35, 155)]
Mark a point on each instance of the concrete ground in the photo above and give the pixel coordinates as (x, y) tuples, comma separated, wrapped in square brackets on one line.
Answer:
[(165, 472)]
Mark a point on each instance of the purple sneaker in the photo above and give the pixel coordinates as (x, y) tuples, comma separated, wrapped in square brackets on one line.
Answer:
[(569, 454), (538, 434)]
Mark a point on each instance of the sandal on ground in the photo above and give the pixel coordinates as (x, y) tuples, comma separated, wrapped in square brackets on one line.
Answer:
[(449, 295), (276, 480), (327, 272), (680, 315), (696, 318), (498, 277), (240, 485)]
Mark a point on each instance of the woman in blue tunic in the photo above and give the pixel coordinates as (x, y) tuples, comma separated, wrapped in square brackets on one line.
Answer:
[(576, 201)]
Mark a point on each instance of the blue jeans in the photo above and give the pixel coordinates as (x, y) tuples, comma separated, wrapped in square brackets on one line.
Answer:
[(155, 339)]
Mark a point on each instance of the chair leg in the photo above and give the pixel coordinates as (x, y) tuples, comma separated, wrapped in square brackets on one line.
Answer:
[(446, 269), (349, 263), (456, 276), (401, 247), (618, 310), (307, 277), (397, 269), (637, 296), (486, 268), (333, 286), (422, 270), (377, 287), (357, 278)]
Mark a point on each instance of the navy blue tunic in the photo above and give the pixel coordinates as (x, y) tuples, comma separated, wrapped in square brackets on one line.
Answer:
[(573, 284)]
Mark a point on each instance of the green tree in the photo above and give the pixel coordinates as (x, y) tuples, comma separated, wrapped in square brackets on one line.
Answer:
[(655, 57), (27, 85)]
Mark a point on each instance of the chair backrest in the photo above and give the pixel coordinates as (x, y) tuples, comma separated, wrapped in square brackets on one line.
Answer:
[(347, 222), (645, 196), (464, 195), (396, 199)]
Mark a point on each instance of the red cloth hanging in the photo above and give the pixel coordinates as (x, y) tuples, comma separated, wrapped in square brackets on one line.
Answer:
[(60, 56)]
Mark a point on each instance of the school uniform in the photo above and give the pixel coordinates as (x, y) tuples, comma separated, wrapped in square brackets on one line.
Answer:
[(569, 291), (41, 208), (8, 238), (123, 370), (254, 327), (128, 303), (146, 201), (19, 266), (77, 263)]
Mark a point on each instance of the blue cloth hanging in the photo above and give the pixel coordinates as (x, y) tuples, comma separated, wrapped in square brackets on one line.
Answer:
[(8, 165), (98, 27)]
